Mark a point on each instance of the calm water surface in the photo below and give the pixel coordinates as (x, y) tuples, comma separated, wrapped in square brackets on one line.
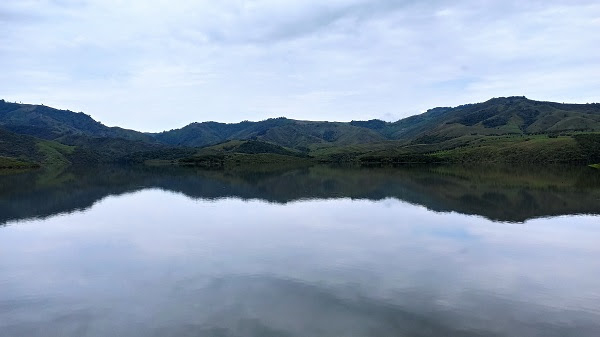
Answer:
[(312, 252)]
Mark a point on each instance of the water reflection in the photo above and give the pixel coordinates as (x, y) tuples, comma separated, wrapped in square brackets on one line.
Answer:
[(154, 263), (498, 193)]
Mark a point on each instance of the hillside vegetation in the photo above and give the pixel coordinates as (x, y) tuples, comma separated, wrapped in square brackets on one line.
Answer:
[(500, 130), (22, 151)]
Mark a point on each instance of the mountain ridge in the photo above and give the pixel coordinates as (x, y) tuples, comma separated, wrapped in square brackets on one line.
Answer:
[(28, 118), (424, 137)]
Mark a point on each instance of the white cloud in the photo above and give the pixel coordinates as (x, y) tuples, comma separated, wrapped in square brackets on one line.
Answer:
[(154, 65)]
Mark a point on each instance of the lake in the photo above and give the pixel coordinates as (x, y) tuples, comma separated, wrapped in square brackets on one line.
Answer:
[(310, 251)]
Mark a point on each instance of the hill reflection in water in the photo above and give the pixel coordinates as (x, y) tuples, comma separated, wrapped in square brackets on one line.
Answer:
[(497, 193)]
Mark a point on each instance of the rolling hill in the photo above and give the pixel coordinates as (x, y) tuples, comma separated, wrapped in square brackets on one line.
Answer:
[(48, 123), (23, 151), (497, 116), (281, 131), (505, 129)]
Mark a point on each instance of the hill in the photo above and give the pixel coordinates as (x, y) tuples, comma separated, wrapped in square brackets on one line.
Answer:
[(48, 123), (245, 152), (500, 130), (282, 131), (23, 151), (497, 116), (31, 133)]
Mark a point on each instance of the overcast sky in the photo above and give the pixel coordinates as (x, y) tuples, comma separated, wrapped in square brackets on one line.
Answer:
[(154, 64)]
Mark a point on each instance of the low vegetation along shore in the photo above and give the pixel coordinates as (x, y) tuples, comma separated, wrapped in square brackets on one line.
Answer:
[(499, 131)]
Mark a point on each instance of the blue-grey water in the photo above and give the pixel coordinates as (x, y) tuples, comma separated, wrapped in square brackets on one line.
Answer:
[(151, 258)]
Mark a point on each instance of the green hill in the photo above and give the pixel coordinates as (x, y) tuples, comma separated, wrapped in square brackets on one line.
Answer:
[(23, 151), (281, 131), (48, 123), (500, 130), (497, 116), (251, 147), (244, 152)]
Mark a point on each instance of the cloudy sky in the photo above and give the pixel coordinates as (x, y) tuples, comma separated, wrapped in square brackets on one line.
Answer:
[(157, 64)]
